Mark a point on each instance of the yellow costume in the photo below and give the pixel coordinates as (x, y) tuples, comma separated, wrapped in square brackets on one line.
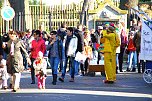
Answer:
[(111, 42)]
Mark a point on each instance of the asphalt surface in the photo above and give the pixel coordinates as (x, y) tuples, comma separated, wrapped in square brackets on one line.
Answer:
[(128, 87)]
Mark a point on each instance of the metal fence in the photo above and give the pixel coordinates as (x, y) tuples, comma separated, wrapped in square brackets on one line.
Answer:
[(50, 17)]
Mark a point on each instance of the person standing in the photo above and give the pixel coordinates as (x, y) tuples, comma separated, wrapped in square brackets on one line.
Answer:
[(70, 46), (38, 44), (137, 43), (80, 45), (15, 48), (98, 36), (110, 44), (56, 54), (124, 41)]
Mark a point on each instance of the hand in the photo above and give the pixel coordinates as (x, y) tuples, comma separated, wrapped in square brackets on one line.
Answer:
[(3, 45), (52, 42), (29, 61)]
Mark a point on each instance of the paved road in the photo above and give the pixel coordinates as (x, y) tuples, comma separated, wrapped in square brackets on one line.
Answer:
[(128, 87)]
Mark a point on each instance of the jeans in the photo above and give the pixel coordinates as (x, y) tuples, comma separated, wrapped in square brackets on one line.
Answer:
[(72, 67), (76, 64), (132, 59), (54, 61)]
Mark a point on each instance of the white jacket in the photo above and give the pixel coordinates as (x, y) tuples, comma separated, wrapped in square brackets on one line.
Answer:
[(41, 66), (72, 46)]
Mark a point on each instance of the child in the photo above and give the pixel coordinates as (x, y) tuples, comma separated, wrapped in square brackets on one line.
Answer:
[(3, 73), (40, 66)]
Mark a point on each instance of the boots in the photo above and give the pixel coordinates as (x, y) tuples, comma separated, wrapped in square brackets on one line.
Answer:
[(54, 79)]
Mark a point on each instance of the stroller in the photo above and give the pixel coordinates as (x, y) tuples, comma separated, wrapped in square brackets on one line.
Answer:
[(147, 75)]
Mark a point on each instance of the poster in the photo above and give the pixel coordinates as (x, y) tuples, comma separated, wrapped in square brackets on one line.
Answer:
[(146, 42)]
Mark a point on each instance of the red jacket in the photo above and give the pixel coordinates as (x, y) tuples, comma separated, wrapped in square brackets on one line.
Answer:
[(36, 47), (131, 46)]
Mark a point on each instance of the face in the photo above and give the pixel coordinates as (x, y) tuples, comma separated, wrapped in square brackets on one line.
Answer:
[(35, 36), (53, 35), (12, 35), (69, 33), (100, 30)]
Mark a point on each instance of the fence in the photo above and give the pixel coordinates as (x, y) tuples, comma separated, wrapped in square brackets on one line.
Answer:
[(50, 17)]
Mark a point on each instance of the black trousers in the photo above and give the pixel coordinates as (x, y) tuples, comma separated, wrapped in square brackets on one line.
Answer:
[(139, 63), (32, 70), (120, 58)]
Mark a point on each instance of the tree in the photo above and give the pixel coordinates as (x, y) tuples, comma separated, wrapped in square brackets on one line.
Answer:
[(34, 2), (1, 3), (84, 12), (144, 0)]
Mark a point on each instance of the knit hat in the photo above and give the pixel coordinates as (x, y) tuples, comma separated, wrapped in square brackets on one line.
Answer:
[(40, 54), (111, 29)]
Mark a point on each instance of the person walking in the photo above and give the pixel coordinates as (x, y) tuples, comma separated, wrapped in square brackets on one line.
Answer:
[(70, 46), (56, 54), (40, 66), (38, 44), (15, 48)]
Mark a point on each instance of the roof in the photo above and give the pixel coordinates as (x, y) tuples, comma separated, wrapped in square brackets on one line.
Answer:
[(107, 3)]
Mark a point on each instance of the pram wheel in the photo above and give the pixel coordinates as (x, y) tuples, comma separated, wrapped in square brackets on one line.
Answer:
[(148, 75)]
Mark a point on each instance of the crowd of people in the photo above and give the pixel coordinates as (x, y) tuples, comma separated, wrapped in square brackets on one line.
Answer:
[(67, 47)]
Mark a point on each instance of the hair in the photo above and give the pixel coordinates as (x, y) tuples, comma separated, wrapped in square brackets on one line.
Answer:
[(78, 26), (63, 25), (38, 32), (70, 29), (12, 32), (54, 32)]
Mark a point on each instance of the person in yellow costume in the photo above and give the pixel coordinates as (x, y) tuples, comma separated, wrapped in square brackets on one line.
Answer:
[(110, 42)]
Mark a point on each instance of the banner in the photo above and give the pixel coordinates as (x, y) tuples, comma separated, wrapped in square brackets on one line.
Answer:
[(146, 42)]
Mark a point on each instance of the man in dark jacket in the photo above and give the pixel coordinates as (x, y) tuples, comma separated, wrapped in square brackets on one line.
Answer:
[(137, 42), (61, 34), (80, 46)]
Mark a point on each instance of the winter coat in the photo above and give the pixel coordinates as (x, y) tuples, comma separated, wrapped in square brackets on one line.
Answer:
[(40, 66), (137, 41), (15, 62), (72, 46), (36, 47), (80, 46)]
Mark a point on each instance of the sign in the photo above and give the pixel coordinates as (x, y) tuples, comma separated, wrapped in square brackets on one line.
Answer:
[(7, 13), (146, 42)]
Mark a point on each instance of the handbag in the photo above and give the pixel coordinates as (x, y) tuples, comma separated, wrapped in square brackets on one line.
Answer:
[(126, 51)]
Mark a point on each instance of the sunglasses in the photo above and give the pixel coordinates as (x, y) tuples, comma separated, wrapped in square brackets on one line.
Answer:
[(52, 34), (12, 33)]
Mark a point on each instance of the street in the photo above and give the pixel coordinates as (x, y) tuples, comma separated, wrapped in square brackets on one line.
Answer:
[(128, 87)]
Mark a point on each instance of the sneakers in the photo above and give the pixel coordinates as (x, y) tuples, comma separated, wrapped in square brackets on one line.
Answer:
[(54, 83), (127, 70), (61, 79), (71, 80), (133, 70), (108, 82), (4, 87)]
